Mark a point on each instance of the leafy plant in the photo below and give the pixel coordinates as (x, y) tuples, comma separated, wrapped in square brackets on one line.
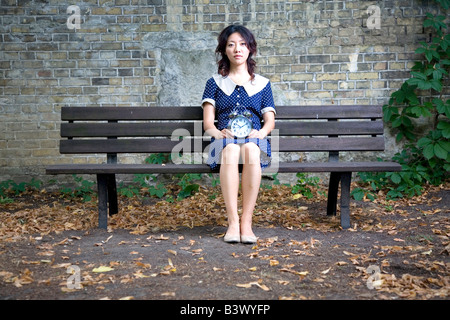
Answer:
[(188, 188), (425, 157), (215, 181), (159, 190), (128, 191), (11, 187), (83, 189), (157, 158), (305, 184)]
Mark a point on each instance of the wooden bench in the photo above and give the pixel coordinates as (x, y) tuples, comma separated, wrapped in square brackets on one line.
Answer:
[(116, 130)]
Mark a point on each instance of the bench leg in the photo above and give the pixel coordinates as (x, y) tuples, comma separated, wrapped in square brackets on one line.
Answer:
[(346, 178), (335, 177), (112, 194), (102, 185)]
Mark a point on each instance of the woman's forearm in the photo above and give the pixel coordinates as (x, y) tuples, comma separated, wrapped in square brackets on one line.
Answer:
[(208, 120)]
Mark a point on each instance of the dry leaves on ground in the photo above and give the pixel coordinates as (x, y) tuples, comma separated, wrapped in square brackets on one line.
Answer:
[(406, 221)]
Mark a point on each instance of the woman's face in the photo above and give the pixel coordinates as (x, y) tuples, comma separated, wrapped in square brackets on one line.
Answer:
[(237, 50)]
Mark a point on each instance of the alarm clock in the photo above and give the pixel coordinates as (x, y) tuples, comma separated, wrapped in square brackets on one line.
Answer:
[(240, 125)]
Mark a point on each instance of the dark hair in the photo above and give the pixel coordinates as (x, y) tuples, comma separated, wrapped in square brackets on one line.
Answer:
[(224, 62)]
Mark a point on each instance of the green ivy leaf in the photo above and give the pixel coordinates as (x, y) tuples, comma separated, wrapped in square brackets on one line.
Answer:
[(436, 85), (440, 149), (358, 194), (441, 107), (421, 111), (418, 75), (396, 178), (423, 142), (428, 151), (445, 127)]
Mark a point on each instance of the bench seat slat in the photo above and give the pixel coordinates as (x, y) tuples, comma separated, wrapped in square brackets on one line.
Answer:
[(203, 168), (165, 145)]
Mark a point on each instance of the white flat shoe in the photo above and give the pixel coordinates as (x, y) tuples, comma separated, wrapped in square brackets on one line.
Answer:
[(248, 239), (232, 238)]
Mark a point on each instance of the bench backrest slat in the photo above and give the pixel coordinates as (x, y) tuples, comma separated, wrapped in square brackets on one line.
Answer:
[(128, 129), (286, 128), (131, 113), (196, 113), (166, 145), (330, 112), (150, 129)]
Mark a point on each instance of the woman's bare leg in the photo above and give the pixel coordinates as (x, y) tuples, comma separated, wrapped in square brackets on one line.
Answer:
[(251, 180), (229, 182)]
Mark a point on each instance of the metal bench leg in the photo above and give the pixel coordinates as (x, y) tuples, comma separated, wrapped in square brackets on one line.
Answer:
[(335, 177), (346, 178), (102, 185), (112, 194)]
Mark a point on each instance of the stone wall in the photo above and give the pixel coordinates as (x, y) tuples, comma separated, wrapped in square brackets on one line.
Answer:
[(161, 52)]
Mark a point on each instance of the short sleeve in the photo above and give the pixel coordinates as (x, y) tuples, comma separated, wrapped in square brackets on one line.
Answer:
[(267, 103), (209, 94)]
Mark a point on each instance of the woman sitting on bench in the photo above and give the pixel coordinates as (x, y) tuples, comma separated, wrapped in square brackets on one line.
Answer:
[(245, 111)]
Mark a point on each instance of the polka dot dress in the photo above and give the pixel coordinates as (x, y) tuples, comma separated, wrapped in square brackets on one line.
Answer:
[(254, 96)]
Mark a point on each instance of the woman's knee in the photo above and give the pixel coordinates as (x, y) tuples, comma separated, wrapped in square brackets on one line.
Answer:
[(250, 153), (231, 154)]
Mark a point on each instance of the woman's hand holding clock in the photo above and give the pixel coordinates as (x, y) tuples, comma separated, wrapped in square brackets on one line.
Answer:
[(227, 134), (258, 134)]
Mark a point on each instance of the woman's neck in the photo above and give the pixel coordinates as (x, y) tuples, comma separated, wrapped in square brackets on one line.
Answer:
[(239, 74)]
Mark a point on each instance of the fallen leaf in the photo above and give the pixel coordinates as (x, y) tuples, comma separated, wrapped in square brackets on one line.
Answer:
[(102, 269), (274, 262), (139, 275), (143, 265), (168, 294), (263, 286), (46, 253), (254, 283), (326, 271)]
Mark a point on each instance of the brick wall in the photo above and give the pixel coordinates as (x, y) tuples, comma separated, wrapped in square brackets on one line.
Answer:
[(161, 52)]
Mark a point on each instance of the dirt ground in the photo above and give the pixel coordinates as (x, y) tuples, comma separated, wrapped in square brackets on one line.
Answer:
[(394, 250)]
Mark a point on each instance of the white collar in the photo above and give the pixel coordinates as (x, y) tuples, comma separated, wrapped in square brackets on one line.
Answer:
[(252, 87)]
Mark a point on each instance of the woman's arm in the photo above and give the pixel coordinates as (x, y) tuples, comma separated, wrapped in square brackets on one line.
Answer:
[(269, 125), (209, 113)]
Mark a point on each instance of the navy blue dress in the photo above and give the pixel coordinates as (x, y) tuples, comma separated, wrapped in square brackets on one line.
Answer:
[(254, 96)]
